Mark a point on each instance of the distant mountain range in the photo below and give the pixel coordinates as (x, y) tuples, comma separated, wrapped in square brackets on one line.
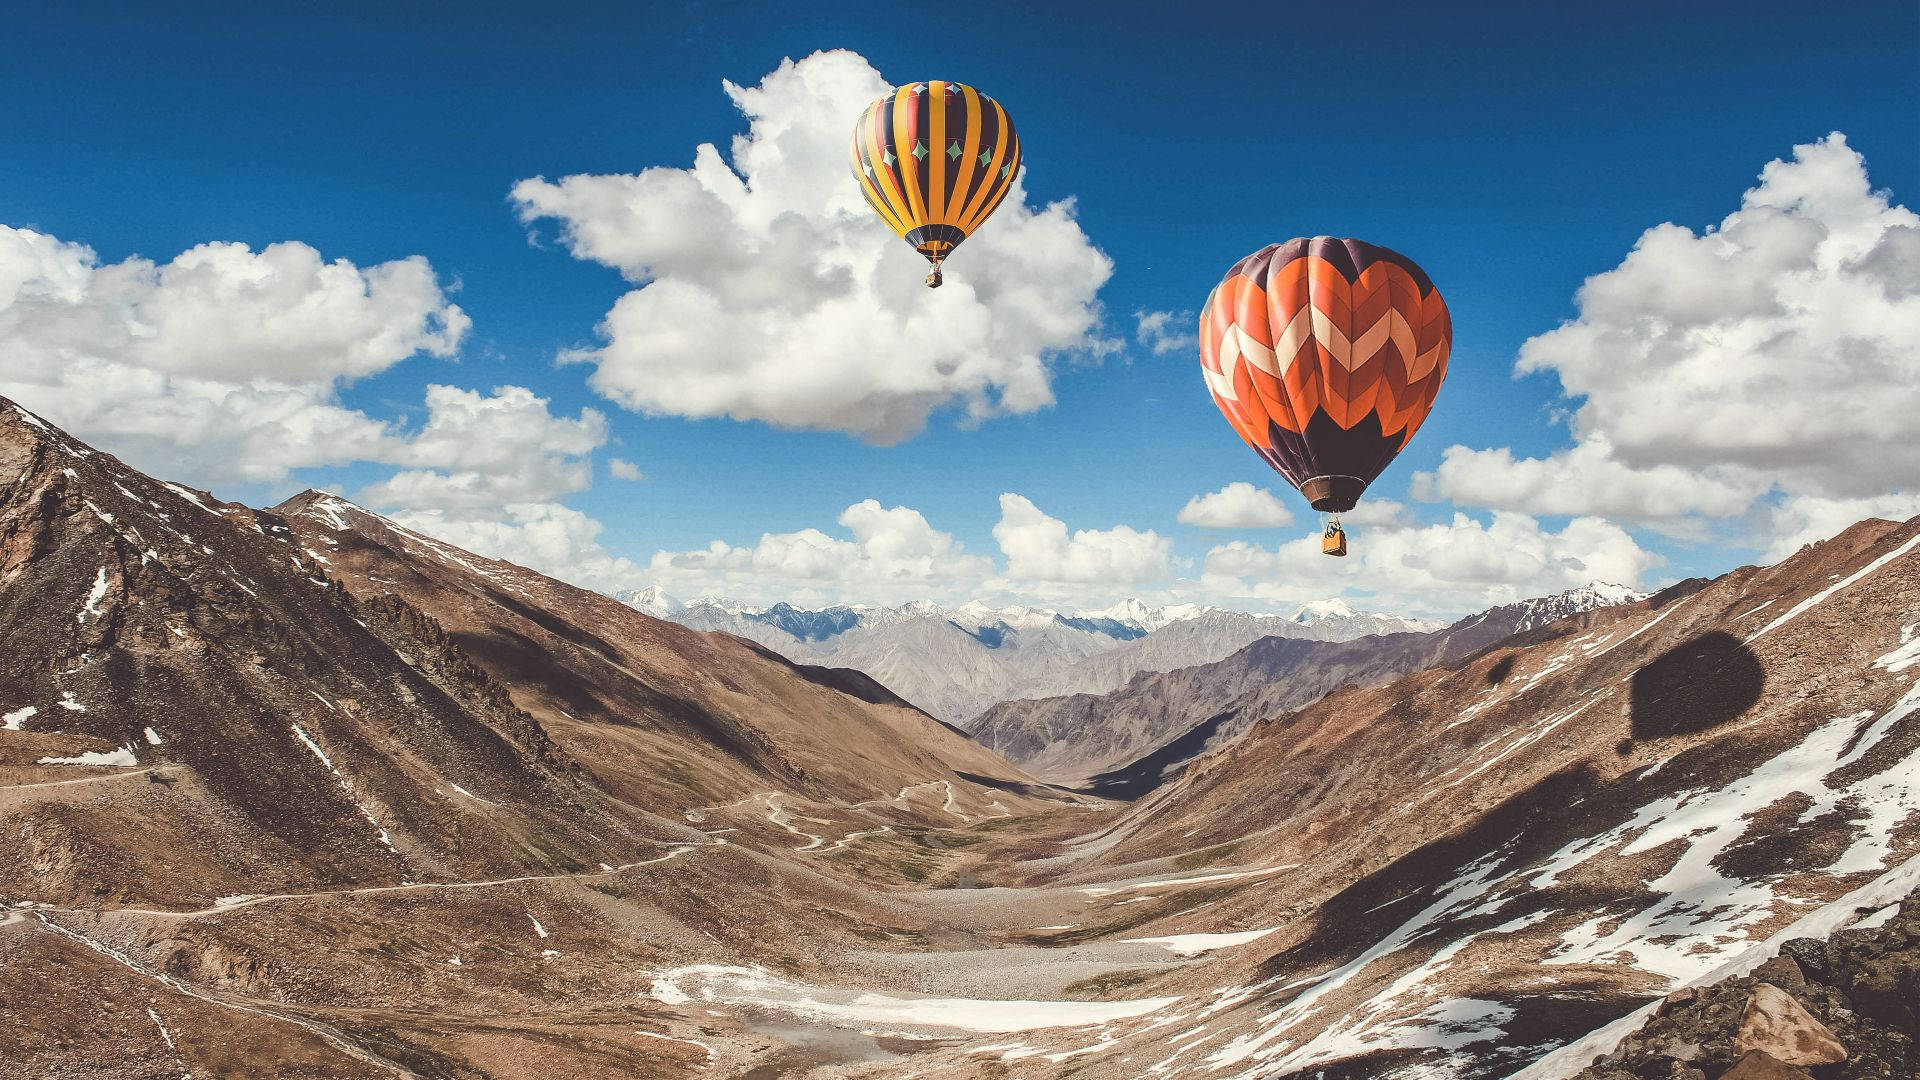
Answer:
[(1131, 739), (956, 662)]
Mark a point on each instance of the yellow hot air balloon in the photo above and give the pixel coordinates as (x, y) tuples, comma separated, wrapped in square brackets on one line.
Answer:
[(934, 159)]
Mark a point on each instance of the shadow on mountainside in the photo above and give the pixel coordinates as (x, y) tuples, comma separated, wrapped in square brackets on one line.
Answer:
[(1699, 684), (1527, 826), (1144, 774)]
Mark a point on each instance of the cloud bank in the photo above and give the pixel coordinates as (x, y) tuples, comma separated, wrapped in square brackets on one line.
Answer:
[(767, 290), (1766, 370)]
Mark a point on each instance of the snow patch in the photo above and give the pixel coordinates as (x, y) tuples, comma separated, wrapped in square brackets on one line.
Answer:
[(758, 987), (157, 1022), (189, 496), (121, 758), (1195, 944), (708, 1050), (99, 593), (12, 721), (1168, 883)]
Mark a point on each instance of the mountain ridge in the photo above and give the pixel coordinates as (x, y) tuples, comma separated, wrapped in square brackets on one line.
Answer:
[(1117, 742), (955, 661)]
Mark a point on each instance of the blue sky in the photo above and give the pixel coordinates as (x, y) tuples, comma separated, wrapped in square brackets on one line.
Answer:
[(1514, 152)]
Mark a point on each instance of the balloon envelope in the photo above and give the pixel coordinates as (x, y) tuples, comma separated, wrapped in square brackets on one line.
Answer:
[(934, 159), (1325, 355)]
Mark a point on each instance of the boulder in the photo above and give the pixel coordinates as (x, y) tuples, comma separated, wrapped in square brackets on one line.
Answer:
[(1781, 971), (1779, 1026), (1760, 1065)]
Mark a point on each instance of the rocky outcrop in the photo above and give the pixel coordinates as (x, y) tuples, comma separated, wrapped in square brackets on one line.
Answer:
[(1846, 1007)]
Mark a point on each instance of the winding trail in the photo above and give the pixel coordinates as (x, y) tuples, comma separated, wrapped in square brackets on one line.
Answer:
[(250, 901), (123, 775)]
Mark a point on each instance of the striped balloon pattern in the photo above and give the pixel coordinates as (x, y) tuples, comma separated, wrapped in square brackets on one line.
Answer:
[(1325, 354), (934, 159)]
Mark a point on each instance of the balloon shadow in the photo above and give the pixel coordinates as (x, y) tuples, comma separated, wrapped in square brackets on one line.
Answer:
[(1498, 673), (1698, 684)]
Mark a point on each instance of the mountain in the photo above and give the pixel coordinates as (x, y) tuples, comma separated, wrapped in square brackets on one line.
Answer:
[(302, 792), (1456, 872), (1129, 740), (653, 601), (955, 662)]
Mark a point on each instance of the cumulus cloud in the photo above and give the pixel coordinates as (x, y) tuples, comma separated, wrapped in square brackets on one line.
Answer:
[(1775, 357), (220, 365), (1442, 569), (224, 365), (548, 537), (893, 555), (1589, 479), (622, 469), (1239, 505), (1802, 519), (492, 450), (1163, 332), (1038, 548), (768, 291)]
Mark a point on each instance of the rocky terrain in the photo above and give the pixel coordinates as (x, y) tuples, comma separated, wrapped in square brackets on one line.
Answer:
[(1845, 1006), (957, 661), (302, 793), (1129, 741)]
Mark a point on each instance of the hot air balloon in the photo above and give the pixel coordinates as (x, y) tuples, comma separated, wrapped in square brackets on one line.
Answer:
[(934, 159), (1325, 355)]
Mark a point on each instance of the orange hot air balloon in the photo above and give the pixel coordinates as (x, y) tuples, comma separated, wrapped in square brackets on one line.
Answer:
[(1325, 355)]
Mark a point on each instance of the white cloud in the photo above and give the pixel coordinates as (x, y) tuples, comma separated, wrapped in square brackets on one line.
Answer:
[(768, 290), (220, 365), (1802, 519), (1778, 354), (894, 555), (1239, 505), (1039, 549), (622, 469), (1443, 569), (548, 537), (224, 365), (491, 450), (1589, 479), (1164, 332)]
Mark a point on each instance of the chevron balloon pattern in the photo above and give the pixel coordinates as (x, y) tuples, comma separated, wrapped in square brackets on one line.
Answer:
[(1325, 355)]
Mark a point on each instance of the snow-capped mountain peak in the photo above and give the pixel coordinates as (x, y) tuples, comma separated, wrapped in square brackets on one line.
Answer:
[(1598, 594), (1321, 610), (652, 600)]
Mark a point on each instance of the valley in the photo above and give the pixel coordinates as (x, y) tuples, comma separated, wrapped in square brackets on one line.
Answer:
[(302, 792)]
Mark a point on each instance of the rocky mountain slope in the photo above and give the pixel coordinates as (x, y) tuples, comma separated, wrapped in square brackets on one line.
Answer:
[(1458, 872), (280, 785), (1129, 741), (957, 661), (300, 793), (1844, 1006)]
